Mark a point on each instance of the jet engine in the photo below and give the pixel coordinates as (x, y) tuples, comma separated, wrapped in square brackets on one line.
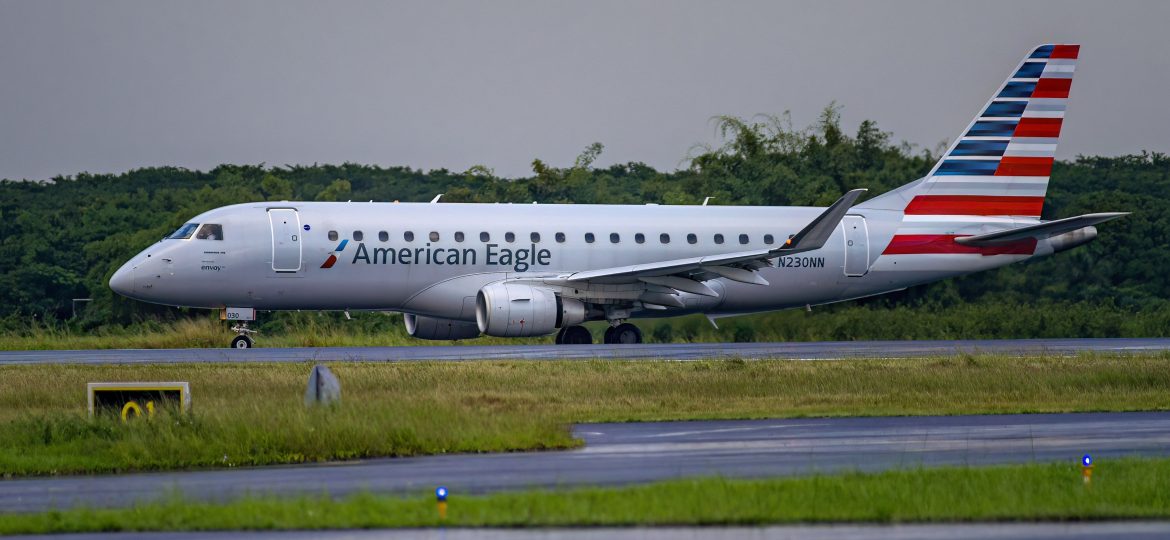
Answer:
[(1072, 239), (434, 328), (516, 309)]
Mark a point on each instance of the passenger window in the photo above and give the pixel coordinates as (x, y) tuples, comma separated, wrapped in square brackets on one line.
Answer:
[(664, 238), (743, 238), (458, 236), (332, 236), (614, 238), (560, 238), (588, 238), (718, 238), (692, 239), (509, 237), (357, 236), (434, 236), (210, 231), (768, 239), (640, 238), (535, 237), (383, 236), (484, 237), (184, 232), (408, 236)]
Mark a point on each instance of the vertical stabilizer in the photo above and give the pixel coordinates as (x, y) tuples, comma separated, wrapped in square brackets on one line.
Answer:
[(1000, 164), (995, 174)]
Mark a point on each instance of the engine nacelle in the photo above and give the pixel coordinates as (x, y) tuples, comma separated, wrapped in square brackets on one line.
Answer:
[(433, 328), (516, 310), (1072, 239)]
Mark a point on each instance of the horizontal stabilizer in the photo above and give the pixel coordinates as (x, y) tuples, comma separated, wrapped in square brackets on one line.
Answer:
[(1042, 230), (814, 235)]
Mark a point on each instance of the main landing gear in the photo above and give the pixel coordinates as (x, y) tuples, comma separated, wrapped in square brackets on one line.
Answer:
[(621, 334), (574, 335), (244, 339)]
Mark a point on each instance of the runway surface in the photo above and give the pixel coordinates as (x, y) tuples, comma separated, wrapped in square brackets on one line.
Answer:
[(616, 454), (824, 350), (1128, 530)]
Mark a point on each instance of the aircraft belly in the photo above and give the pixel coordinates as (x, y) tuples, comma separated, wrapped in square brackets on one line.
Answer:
[(944, 264), (788, 287)]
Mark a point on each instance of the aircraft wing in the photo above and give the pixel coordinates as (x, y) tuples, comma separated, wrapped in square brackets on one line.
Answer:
[(1042, 230), (688, 274)]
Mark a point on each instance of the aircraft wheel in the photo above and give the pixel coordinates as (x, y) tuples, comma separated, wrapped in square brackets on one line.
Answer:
[(560, 339), (242, 342), (625, 334), (608, 339), (575, 335)]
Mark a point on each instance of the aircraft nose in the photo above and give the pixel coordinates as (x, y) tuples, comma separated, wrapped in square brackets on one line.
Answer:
[(122, 282)]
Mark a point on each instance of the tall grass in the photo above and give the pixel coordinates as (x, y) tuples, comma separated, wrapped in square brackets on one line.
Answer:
[(830, 323), (250, 414)]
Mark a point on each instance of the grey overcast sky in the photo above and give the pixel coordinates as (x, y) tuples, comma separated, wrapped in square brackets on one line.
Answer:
[(114, 85)]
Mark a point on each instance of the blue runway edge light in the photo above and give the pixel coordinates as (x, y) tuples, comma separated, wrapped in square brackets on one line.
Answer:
[(441, 493), (1087, 461)]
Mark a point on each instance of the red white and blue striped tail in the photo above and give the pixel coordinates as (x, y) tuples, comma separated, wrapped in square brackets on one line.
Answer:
[(996, 172), (1000, 165)]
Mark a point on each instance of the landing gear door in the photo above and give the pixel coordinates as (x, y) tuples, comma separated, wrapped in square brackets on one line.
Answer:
[(856, 246), (286, 240)]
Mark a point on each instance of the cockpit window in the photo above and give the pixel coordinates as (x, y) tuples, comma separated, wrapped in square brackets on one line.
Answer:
[(210, 231), (184, 232)]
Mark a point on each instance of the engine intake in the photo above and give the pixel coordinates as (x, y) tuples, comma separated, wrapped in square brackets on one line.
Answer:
[(422, 327), (517, 310)]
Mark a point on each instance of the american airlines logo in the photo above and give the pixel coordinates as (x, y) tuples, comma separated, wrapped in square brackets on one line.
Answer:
[(333, 256)]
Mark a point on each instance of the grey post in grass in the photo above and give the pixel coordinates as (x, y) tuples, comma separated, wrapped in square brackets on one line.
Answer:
[(324, 387)]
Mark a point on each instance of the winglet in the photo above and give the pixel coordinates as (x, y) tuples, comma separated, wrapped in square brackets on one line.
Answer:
[(815, 234)]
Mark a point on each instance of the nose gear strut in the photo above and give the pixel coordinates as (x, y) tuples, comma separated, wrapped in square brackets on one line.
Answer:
[(244, 338)]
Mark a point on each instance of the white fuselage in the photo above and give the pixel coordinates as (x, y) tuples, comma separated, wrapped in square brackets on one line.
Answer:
[(391, 260)]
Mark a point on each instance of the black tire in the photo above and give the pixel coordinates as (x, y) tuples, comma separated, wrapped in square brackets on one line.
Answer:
[(242, 342), (576, 335), (608, 339), (627, 334), (560, 339)]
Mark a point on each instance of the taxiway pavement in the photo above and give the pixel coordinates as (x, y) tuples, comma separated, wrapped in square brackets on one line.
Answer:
[(1119, 530), (617, 454), (821, 350)]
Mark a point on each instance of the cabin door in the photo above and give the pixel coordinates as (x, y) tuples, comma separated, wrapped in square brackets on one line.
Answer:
[(286, 239), (856, 246)]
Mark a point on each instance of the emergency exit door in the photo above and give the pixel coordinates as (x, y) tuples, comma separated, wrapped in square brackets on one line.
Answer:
[(856, 246), (286, 239)]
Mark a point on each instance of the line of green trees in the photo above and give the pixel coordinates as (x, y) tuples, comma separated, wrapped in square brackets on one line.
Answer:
[(62, 239)]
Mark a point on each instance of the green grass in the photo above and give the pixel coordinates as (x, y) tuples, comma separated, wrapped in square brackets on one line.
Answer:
[(252, 413), (1122, 489), (839, 322), (310, 330)]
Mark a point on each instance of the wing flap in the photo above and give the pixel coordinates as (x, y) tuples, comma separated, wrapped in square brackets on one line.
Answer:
[(666, 268)]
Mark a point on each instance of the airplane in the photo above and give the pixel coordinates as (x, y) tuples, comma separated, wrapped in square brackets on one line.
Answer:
[(457, 271)]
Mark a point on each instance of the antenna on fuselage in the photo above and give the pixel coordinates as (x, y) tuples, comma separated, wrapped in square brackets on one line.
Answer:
[(436, 199), (706, 200)]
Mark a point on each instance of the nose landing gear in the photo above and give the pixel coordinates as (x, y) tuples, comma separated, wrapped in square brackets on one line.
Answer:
[(244, 339)]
